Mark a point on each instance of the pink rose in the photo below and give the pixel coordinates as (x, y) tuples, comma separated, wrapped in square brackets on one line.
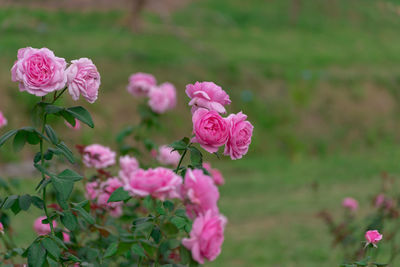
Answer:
[(239, 136), (206, 237), (128, 165), (83, 79), (215, 174), (92, 190), (98, 156), (210, 129), (373, 237), (76, 127), (201, 192), (111, 184), (41, 228), (66, 237), (207, 95), (1, 228), (160, 183), (350, 204), (140, 84), (116, 211), (3, 120), (39, 71), (106, 189), (168, 157), (162, 98)]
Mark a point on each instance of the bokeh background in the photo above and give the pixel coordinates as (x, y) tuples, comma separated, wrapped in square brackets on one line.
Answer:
[(320, 81)]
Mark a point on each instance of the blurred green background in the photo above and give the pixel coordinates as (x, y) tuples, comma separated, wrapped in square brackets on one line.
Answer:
[(320, 81)]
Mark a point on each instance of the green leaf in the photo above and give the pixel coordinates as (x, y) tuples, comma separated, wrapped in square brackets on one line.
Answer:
[(9, 202), (179, 222), (184, 254), (51, 247), (38, 202), (196, 157), (180, 145), (138, 250), (36, 255), (19, 140), (81, 114), (33, 138), (7, 136), (86, 216), (51, 134), (119, 195), (124, 133), (62, 147), (111, 250), (59, 242), (15, 208), (25, 202), (62, 187), (52, 109), (70, 175), (169, 205), (69, 220), (156, 234)]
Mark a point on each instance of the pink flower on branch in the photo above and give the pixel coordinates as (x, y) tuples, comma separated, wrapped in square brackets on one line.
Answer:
[(98, 156), (140, 84)]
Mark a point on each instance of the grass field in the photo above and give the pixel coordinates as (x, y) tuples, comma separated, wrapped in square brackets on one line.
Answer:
[(322, 92)]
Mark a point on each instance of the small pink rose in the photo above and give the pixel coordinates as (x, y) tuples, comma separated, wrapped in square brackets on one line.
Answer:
[(66, 237), (41, 228), (39, 71), (206, 237), (210, 129), (162, 98), (373, 237), (3, 120), (140, 84), (168, 157), (350, 204), (207, 95), (215, 174), (77, 126), (83, 79), (92, 190), (98, 156), (240, 134)]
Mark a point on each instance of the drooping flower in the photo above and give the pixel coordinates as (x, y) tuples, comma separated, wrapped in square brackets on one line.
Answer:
[(206, 237), (77, 126), (162, 98), (83, 79), (39, 71), (3, 120), (140, 84), (215, 174), (201, 192), (240, 134), (160, 183), (41, 228), (373, 237), (98, 156), (350, 204), (207, 95), (128, 165), (210, 129), (168, 157)]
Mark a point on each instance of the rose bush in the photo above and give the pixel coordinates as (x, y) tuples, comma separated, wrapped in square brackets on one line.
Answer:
[(135, 213)]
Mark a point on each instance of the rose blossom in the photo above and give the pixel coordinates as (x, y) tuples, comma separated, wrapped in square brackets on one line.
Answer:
[(106, 189), (160, 183), (98, 156), (373, 237), (239, 136), (350, 204), (41, 228), (83, 79), (3, 120), (39, 71), (206, 237), (162, 98), (92, 190), (210, 129), (66, 237), (207, 95), (168, 157), (140, 84), (128, 165), (201, 191), (215, 174), (76, 127), (1, 228)]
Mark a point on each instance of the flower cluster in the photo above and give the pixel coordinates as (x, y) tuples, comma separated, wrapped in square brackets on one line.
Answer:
[(161, 97)]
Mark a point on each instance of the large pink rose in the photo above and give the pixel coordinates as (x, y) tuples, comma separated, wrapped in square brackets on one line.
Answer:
[(207, 95), (160, 183), (210, 129), (39, 71), (201, 192), (41, 228), (3, 120), (215, 174), (240, 134), (141, 83), (128, 165), (206, 237), (98, 156), (83, 79), (162, 98), (168, 157)]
